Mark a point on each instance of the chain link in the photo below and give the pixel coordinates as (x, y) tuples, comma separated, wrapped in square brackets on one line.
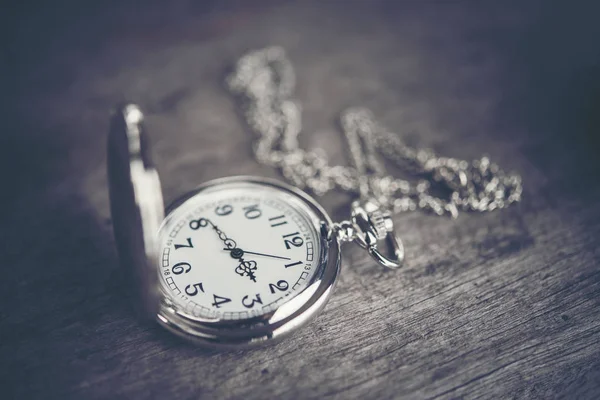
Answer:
[(264, 82)]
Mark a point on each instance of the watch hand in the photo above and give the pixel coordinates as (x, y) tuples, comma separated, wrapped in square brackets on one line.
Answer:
[(245, 267), (238, 251), (202, 222)]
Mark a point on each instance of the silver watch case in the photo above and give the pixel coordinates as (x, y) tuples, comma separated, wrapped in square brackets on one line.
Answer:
[(138, 212)]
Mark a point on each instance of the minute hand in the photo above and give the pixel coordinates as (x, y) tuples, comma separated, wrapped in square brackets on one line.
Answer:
[(264, 255)]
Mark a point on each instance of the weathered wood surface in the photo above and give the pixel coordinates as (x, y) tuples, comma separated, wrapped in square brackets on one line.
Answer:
[(501, 305)]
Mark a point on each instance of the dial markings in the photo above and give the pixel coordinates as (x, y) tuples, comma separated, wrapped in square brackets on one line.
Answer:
[(192, 290), (277, 221), (309, 251), (252, 211), (296, 240), (220, 300), (180, 268), (281, 285), (165, 257), (197, 274), (298, 283), (293, 264), (224, 210), (172, 285), (249, 303), (188, 245)]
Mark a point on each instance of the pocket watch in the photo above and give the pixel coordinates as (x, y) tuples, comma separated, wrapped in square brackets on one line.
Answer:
[(244, 261), (237, 262)]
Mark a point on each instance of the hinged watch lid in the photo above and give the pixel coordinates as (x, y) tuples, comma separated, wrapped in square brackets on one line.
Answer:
[(136, 205)]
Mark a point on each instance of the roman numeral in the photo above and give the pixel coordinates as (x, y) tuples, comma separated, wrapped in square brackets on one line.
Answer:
[(276, 221)]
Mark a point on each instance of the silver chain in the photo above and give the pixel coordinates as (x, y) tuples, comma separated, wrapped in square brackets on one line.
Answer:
[(264, 82)]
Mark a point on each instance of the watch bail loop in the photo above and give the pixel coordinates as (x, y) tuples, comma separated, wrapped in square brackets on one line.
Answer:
[(373, 225)]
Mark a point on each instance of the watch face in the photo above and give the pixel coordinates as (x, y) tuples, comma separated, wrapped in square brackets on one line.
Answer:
[(238, 250)]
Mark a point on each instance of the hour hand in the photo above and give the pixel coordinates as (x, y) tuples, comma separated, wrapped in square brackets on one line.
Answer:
[(247, 268)]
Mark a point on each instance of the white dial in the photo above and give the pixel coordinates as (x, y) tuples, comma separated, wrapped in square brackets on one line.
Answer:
[(238, 250)]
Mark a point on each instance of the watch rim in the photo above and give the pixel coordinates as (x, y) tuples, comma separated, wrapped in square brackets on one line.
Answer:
[(273, 325)]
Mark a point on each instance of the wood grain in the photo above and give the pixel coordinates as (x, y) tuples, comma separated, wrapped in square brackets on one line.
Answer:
[(498, 305)]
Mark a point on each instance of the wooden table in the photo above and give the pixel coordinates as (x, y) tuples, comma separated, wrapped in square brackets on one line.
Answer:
[(497, 305)]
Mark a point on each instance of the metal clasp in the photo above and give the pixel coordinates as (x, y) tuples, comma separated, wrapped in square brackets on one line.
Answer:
[(372, 225)]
